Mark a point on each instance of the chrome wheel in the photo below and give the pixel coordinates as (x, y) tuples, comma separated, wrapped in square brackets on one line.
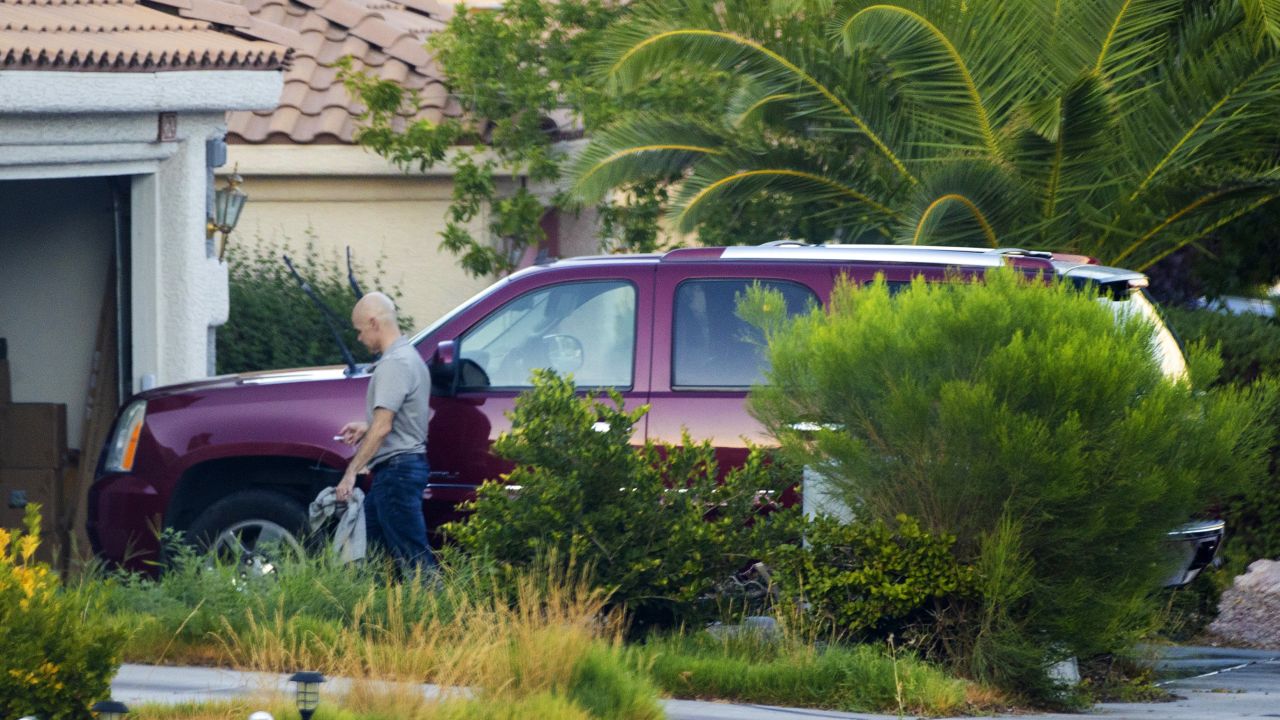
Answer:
[(256, 545)]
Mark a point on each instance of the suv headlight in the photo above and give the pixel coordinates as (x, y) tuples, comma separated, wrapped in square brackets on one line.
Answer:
[(124, 444)]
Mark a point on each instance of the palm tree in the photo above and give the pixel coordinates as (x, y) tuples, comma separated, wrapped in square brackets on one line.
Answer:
[(1124, 129)]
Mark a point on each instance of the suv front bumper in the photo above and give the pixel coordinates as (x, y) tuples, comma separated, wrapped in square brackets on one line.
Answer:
[(1196, 547)]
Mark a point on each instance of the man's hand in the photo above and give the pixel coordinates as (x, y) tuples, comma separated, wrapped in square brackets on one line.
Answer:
[(352, 433), (344, 488)]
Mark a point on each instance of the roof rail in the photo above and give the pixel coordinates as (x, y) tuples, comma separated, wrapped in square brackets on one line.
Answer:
[(918, 254)]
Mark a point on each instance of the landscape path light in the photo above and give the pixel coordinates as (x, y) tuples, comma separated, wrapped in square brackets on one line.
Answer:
[(110, 710), (307, 694)]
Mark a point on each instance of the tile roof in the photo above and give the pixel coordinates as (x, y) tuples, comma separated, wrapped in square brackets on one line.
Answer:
[(124, 36), (386, 37)]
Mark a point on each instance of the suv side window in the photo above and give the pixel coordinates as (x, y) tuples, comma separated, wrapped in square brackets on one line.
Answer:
[(712, 347), (584, 328)]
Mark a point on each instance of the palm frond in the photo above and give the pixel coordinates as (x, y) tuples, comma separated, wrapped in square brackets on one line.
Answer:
[(1190, 211), (1263, 17), (724, 182), (1125, 38), (1214, 110), (928, 62), (952, 61), (1064, 138), (1223, 220), (752, 102), (968, 202), (635, 51), (640, 148)]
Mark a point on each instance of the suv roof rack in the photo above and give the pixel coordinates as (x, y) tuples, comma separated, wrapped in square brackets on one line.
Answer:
[(921, 254)]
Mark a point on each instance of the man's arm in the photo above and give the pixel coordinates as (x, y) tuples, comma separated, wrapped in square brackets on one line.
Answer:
[(378, 432)]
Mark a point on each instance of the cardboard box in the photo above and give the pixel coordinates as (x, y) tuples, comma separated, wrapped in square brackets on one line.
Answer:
[(33, 436), (20, 488)]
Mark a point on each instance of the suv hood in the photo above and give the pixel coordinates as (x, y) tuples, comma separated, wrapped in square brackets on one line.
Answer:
[(269, 377)]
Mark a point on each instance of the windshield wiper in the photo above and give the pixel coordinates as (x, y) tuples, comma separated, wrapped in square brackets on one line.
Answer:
[(351, 277), (329, 318)]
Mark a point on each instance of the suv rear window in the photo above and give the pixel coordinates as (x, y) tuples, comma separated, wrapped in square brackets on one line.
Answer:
[(712, 346)]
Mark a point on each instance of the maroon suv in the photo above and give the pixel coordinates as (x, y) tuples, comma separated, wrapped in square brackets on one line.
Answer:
[(233, 461)]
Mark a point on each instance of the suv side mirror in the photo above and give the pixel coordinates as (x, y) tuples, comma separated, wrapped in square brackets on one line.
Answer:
[(443, 367)]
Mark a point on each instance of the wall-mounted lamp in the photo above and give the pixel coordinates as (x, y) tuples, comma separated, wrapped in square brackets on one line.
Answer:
[(227, 204)]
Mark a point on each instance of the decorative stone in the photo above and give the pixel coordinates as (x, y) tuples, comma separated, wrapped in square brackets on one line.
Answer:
[(1249, 612)]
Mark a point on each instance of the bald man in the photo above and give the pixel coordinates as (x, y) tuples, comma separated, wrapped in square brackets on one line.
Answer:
[(392, 439)]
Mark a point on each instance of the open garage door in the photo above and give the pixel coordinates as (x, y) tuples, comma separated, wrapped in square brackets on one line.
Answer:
[(64, 320)]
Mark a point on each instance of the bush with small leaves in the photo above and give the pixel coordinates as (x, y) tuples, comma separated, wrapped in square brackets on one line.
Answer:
[(1033, 421), (866, 580), (659, 526), (272, 324), (57, 656)]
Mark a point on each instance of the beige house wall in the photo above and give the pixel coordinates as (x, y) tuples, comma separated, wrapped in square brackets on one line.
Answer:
[(344, 195), (394, 221)]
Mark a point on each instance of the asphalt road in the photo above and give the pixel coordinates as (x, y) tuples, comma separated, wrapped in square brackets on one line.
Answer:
[(1211, 684)]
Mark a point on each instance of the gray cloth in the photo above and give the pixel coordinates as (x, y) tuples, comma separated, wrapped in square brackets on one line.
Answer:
[(349, 540), (401, 384)]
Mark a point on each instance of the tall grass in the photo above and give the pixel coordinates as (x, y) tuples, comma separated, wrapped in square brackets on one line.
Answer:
[(500, 643), (782, 671), (523, 644)]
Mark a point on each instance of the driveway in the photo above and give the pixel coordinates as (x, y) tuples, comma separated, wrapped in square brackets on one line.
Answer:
[(1211, 684)]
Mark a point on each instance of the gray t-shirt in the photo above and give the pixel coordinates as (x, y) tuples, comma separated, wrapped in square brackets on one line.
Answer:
[(401, 384)]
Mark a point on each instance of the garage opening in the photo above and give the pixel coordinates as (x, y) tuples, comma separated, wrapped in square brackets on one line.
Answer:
[(64, 353)]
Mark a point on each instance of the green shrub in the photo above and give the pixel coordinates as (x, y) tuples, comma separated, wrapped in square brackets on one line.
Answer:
[(1031, 423), (57, 656), (653, 524), (1249, 344), (1250, 348), (865, 579), (272, 323)]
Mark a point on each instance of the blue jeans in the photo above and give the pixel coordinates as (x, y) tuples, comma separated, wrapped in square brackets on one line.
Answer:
[(393, 512)]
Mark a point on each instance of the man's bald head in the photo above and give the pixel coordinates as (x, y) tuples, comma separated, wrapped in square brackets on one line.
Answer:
[(374, 318), (376, 305)]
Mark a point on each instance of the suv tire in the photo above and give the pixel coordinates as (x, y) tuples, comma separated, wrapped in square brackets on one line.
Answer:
[(242, 524)]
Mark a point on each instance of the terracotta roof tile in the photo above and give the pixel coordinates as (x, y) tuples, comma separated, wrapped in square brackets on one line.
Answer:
[(386, 37), (126, 36)]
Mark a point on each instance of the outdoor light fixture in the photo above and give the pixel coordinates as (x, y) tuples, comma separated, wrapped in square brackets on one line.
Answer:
[(307, 694), (110, 710), (227, 204)]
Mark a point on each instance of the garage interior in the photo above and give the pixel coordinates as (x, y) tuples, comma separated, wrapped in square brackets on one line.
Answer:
[(64, 358)]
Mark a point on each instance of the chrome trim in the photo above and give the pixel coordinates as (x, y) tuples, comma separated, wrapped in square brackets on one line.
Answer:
[(1100, 273), (929, 255), (1198, 528)]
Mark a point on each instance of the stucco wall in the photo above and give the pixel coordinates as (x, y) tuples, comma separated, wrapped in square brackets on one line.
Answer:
[(344, 195), (177, 291), (395, 220)]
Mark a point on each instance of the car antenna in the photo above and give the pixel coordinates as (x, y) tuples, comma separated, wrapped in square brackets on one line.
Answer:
[(351, 277), (329, 318)]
